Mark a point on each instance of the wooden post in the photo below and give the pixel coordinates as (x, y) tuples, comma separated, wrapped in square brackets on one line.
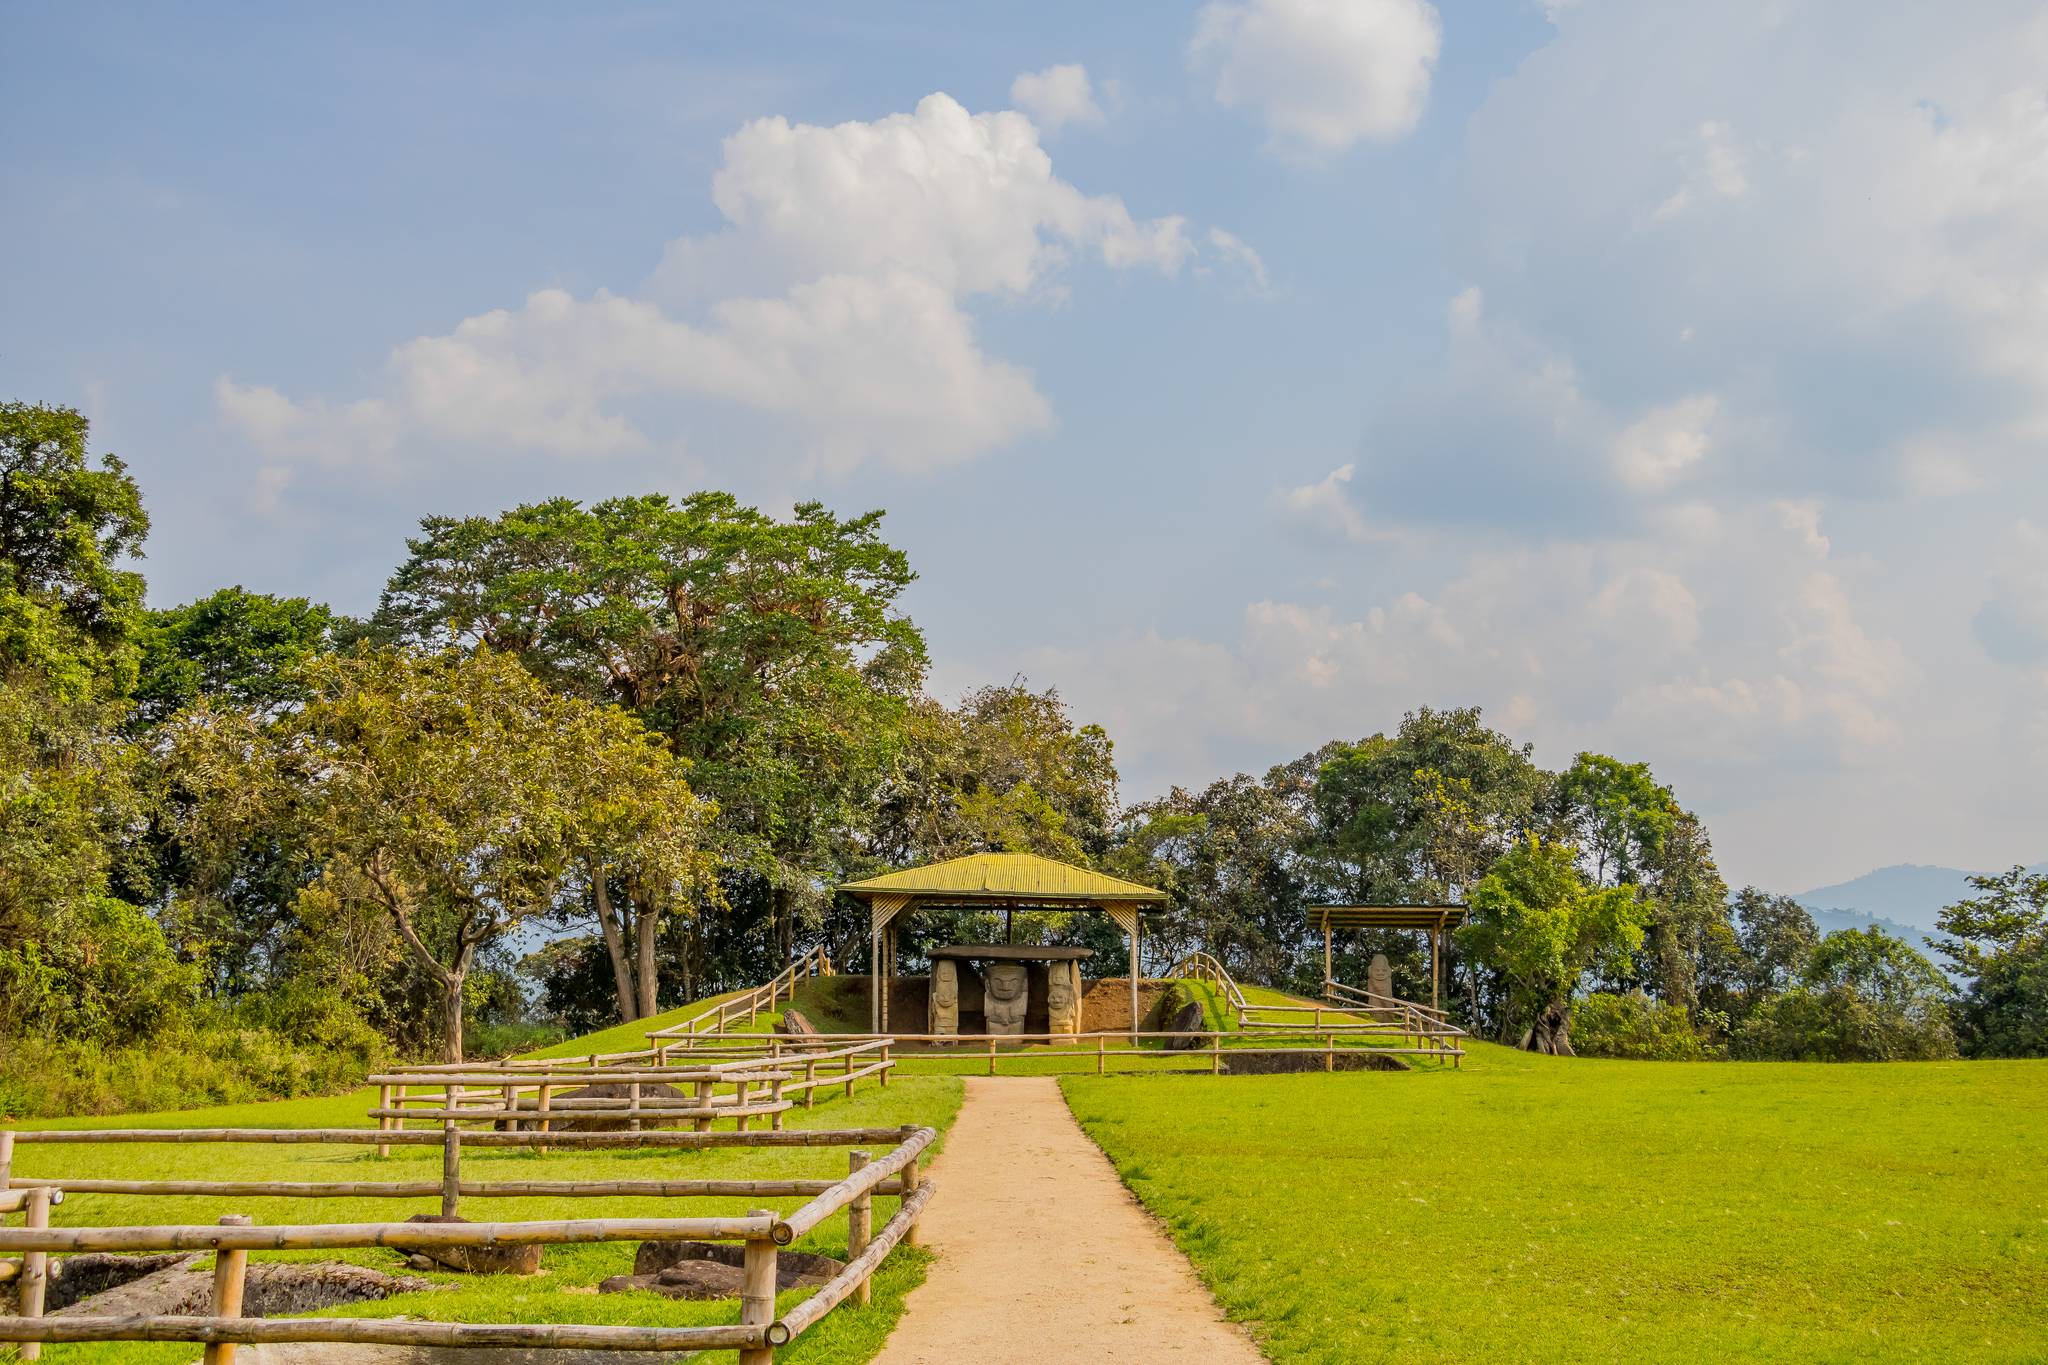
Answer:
[(451, 1169), (633, 1107), (911, 1180), (775, 1097), (849, 1075), (1436, 968), (884, 1073), (705, 1091), (1135, 1023), (1329, 1052), (1101, 1051), (35, 1267), (1329, 960), (739, 1100), (1215, 1054), (547, 1093), (230, 1274), (810, 1084), (383, 1124), (757, 1292), (874, 980), (7, 1158), (859, 1224), (991, 1054)]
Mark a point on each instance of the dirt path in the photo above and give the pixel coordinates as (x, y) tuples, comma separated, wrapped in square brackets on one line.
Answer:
[(1044, 1257)]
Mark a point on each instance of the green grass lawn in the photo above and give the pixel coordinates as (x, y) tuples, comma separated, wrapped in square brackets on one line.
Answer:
[(565, 1290), (1543, 1209)]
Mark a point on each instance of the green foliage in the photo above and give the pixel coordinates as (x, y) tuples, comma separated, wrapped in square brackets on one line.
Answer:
[(1531, 1209), (453, 794), (2001, 942), (243, 649), (1863, 996), (1633, 1026), (1534, 919), (1618, 813), (68, 610), (1776, 939)]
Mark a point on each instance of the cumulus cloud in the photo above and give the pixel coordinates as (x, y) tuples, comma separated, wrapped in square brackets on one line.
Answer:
[(1057, 96), (834, 302), (1235, 251), (1323, 75), (1659, 448), (1325, 505)]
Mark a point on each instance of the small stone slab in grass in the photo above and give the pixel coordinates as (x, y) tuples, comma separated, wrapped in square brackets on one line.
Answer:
[(712, 1270)]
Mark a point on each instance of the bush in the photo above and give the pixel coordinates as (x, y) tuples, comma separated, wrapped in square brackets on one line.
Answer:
[(1836, 1024), (1634, 1026), (213, 1057)]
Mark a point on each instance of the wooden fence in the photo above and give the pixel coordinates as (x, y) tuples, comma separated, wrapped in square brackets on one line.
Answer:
[(1421, 1028), (1332, 1040), (753, 1003), (759, 1331), (766, 1083)]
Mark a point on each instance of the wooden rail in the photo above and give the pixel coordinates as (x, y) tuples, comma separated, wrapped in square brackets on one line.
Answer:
[(1331, 1040), (751, 1003), (1430, 1029), (763, 1232)]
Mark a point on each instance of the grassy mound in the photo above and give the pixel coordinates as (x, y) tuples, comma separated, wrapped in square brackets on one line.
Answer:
[(1556, 1210)]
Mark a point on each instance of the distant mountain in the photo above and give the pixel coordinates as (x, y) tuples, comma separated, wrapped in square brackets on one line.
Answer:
[(1907, 894)]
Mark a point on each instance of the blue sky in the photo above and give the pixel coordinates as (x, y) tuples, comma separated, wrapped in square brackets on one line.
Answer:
[(1671, 380)]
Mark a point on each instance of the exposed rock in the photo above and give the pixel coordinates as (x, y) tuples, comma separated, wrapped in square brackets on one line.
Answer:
[(95, 1272), (712, 1270), (1379, 979), (507, 1260), (654, 1257), (796, 1024), (586, 1122), (272, 1290), (1007, 996), (944, 1015), (1063, 997), (1187, 1020)]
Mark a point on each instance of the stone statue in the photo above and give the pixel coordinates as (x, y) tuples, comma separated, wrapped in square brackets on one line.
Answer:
[(1006, 990), (1379, 979), (1063, 997), (945, 1011)]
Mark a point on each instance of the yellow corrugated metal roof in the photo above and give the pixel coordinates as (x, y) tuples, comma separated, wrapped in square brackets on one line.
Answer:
[(1005, 876)]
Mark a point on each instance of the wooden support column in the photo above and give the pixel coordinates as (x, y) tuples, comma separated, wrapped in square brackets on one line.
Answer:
[(860, 1225), (1125, 914), (35, 1268), (1329, 958), (757, 1291), (230, 1275), (1436, 967), (451, 1169)]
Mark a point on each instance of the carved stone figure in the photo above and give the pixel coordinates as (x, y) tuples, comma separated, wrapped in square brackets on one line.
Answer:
[(945, 996), (1063, 997), (1006, 990), (1379, 979)]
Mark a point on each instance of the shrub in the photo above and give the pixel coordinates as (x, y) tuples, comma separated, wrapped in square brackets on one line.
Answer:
[(1634, 1026), (1836, 1024)]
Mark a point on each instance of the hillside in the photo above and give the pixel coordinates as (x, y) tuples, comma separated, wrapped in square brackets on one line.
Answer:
[(1907, 896)]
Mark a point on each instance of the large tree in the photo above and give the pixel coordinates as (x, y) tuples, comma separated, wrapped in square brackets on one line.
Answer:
[(2001, 944), (454, 794), (1861, 996), (770, 652), (1534, 919)]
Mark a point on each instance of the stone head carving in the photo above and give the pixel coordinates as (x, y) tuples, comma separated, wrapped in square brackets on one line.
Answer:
[(1006, 991)]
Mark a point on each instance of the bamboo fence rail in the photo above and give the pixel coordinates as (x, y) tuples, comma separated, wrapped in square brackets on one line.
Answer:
[(751, 1003), (1430, 1029), (762, 1232)]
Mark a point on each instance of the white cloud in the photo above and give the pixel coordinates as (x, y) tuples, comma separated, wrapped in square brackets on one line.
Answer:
[(1237, 252), (1325, 505), (1665, 444), (833, 302), (1714, 167), (1057, 96), (1323, 74)]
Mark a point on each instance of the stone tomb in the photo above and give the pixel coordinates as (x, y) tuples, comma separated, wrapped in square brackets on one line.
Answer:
[(1016, 989)]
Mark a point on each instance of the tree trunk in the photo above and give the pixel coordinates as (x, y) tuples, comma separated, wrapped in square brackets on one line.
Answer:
[(647, 924), (1552, 1031), (615, 948), (451, 1015)]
